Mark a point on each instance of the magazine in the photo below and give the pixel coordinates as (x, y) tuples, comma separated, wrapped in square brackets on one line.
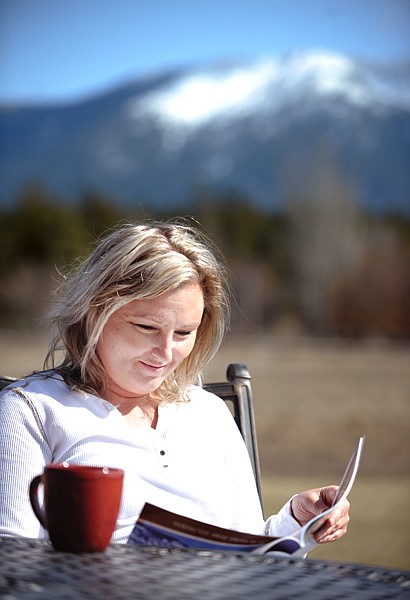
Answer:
[(158, 527)]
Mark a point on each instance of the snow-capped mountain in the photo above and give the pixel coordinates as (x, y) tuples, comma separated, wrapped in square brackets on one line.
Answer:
[(267, 86), (260, 128)]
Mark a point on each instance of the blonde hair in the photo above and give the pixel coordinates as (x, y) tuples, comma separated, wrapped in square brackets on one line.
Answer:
[(136, 262)]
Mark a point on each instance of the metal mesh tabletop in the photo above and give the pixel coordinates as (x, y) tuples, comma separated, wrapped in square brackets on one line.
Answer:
[(31, 569)]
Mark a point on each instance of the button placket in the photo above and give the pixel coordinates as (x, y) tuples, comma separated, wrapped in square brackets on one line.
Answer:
[(160, 437), (164, 460), (161, 450)]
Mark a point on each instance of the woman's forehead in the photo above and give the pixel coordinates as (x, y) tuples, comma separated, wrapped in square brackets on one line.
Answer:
[(186, 302)]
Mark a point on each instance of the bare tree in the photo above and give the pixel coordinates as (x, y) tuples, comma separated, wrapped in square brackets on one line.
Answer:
[(325, 242)]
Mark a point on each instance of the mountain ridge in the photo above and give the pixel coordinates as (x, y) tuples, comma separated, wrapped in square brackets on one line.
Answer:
[(241, 127)]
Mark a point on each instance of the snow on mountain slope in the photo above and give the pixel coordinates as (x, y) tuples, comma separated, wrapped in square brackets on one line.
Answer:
[(200, 97), (267, 85)]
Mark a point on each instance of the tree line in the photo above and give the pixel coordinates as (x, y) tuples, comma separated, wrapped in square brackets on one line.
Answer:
[(320, 263)]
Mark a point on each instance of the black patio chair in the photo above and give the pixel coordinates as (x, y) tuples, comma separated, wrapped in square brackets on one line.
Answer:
[(237, 393)]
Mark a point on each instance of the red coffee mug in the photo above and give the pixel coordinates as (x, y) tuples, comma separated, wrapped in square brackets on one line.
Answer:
[(81, 505)]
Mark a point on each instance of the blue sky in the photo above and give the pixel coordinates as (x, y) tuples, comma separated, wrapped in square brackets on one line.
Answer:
[(56, 50)]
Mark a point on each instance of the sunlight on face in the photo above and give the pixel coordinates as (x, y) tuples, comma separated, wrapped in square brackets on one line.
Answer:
[(145, 340)]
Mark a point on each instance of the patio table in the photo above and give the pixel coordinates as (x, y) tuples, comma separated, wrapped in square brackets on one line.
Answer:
[(32, 569)]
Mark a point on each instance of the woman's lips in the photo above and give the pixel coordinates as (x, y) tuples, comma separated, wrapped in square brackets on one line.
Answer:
[(154, 368)]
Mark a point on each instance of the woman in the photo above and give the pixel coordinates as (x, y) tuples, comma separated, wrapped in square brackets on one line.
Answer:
[(136, 324)]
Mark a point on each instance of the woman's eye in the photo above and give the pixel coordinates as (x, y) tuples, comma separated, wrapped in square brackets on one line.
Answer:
[(144, 327), (183, 333)]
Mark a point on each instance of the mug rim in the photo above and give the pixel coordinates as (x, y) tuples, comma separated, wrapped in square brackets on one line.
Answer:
[(84, 470)]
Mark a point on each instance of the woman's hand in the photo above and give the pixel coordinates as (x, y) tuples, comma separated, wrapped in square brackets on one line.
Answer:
[(310, 503)]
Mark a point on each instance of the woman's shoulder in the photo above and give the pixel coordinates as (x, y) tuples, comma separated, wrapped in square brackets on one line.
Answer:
[(45, 384), (202, 409), (200, 399)]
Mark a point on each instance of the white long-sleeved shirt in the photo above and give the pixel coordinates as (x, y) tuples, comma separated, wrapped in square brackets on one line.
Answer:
[(194, 463)]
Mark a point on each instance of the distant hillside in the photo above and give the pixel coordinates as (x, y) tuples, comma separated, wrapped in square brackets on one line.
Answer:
[(261, 128)]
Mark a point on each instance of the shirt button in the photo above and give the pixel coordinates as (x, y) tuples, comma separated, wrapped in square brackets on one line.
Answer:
[(162, 452)]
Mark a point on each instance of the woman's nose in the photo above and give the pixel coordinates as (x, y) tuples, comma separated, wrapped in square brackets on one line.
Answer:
[(163, 347)]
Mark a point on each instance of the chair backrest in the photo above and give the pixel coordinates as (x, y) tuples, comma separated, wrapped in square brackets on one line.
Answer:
[(237, 393), (5, 381)]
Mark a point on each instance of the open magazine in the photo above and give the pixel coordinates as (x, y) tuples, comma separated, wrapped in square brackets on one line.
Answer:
[(158, 527)]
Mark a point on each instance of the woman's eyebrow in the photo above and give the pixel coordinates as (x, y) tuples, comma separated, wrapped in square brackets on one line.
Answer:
[(190, 325), (153, 318), (140, 315)]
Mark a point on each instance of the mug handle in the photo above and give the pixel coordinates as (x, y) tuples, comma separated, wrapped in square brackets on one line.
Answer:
[(33, 492)]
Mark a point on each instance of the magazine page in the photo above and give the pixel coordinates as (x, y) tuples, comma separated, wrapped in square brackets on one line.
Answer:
[(159, 527), (345, 486)]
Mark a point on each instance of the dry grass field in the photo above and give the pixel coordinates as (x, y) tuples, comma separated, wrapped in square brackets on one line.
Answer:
[(312, 401)]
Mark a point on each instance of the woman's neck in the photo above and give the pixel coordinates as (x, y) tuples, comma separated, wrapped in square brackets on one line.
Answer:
[(138, 411)]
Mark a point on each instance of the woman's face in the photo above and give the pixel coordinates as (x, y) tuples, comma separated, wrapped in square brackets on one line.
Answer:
[(145, 340)]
